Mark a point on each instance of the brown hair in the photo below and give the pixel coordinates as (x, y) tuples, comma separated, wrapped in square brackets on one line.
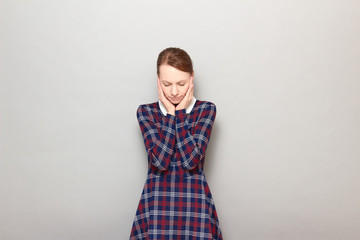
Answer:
[(177, 58)]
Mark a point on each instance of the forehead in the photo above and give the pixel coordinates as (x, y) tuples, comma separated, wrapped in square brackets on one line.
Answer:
[(171, 74)]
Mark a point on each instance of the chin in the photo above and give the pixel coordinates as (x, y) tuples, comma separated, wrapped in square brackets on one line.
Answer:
[(175, 102)]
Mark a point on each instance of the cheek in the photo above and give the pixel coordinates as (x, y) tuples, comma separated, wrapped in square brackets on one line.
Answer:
[(182, 90), (187, 88), (166, 91)]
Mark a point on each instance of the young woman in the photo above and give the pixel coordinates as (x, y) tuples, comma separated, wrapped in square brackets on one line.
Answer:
[(176, 202)]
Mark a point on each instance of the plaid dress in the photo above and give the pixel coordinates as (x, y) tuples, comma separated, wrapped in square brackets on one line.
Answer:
[(176, 202)]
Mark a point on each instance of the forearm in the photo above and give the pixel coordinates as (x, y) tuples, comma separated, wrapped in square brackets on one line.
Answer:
[(190, 152)]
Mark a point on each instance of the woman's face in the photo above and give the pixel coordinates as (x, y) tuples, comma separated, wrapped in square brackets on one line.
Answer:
[(174, 83)]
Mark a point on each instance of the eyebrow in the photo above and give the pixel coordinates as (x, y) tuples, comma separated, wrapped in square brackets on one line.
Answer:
[(177, 81)]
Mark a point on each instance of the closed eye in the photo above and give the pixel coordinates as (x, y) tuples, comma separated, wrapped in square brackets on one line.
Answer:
[(170, 84)]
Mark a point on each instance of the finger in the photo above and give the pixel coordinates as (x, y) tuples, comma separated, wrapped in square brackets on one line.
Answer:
[(159, 89), (187, 94), (187, 97), (161, 95), (192, 88)]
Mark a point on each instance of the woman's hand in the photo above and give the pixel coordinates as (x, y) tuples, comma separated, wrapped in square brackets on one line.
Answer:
[(187, 99), (170, 108)]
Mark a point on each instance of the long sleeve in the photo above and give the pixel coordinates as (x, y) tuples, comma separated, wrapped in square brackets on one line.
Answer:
[(159, 141), (192, 147)]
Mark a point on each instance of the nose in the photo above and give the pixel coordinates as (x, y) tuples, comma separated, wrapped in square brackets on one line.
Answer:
[(174, 91)]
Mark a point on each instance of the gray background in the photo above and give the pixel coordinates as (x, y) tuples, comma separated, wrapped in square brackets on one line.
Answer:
[(283, 160)]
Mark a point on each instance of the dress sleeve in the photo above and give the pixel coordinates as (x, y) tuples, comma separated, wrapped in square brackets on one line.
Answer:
[(192, 147), (159, 141)]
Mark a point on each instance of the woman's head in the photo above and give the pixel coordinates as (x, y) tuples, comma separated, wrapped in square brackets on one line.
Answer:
[(174, 71)]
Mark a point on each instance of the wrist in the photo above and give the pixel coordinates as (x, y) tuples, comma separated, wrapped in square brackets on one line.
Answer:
[(171, 111)]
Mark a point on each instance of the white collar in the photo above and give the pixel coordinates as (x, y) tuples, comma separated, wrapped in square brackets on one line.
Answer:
[(188, 109)]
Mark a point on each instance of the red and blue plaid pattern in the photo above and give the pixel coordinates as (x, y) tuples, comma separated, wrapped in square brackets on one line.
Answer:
[(176, 202)]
